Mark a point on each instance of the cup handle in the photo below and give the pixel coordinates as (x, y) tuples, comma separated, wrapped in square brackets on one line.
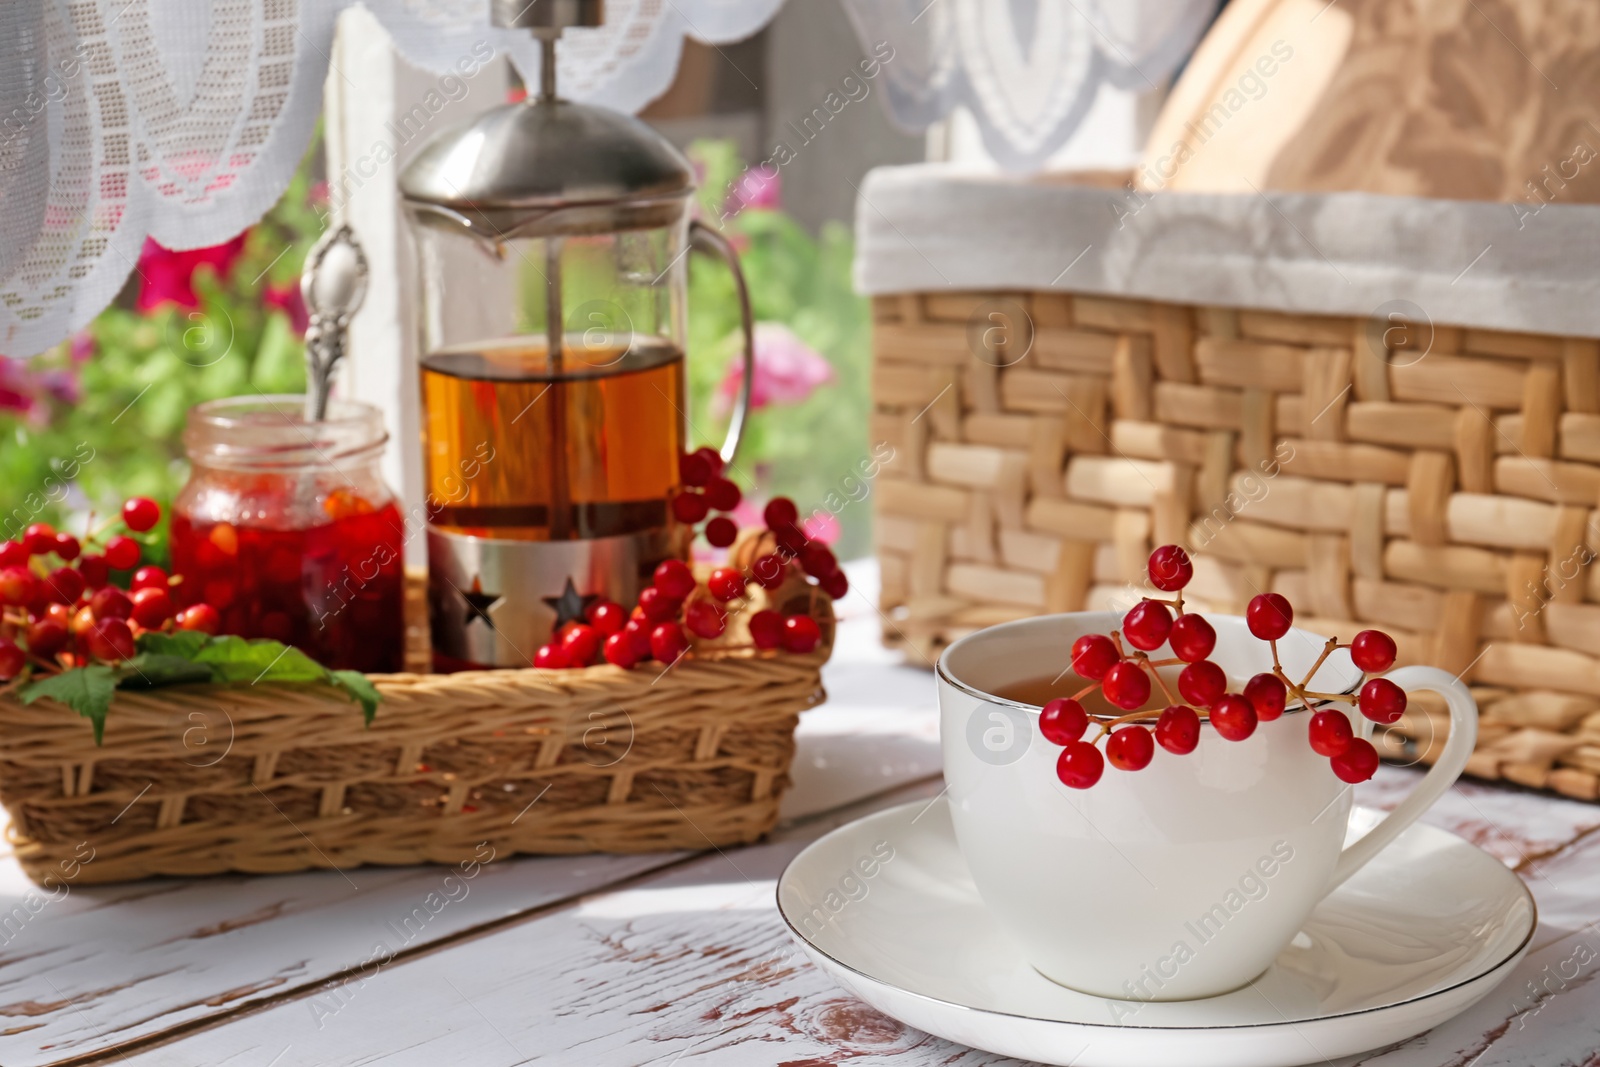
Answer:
[(704, 237), (1448, 767)]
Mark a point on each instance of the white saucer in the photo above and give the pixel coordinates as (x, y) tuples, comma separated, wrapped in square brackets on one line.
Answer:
[(1417, 936)]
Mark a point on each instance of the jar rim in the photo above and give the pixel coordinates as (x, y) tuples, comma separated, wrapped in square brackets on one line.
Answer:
[(263, 430)]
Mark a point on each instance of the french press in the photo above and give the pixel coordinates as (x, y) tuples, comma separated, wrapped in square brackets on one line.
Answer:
[(552, 240)]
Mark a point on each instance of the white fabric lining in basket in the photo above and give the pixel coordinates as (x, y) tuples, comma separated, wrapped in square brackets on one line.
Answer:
[(928, 227)]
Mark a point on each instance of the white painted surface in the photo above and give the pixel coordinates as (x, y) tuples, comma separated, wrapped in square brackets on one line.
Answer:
[(636, 960)]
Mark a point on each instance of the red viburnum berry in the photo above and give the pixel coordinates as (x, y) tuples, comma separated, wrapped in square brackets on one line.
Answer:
[(1170, 568), (200, 617), (1269, 616), (722, 494), (141, 513), (693, 469), (581, 643), (152, 608), (17, 586), (111, 640), (1080, 765), (712, 457), (111, 603), (1330, 733), (836, 585), (766, 629), (1178, 729), (1192, 638), (689, 507), (1373, 651), (1126, 685), (721, 531), (619, 650), (667, 642), (149, 578), (1202, 683), (817, 560), (1093, 655), (39, 539), (1357, 763), (780, 511), (801, 634), (1382, 701), (1063, 720), (1147, 625), (13, 554), (122, 553), (637, 631), (67, 547), (705, 618), (64, 585), (12, 659), (657, 605), (1233, 717), (46, 637), (95, 570), (607, 617), (1268, 695), (551, 657), (1131, 748), (727, 583), (769, 571), (674, 578)]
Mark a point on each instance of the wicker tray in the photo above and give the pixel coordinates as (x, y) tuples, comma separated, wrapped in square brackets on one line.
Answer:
[(201, 779), (1448, 499)]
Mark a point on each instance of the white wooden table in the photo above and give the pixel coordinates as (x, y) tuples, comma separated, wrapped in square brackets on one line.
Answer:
[(673, 959)]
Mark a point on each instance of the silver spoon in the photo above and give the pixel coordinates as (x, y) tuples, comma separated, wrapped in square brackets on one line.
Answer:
[(333, 284)]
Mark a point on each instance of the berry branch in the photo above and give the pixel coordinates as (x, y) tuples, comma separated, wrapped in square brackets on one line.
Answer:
[(675, 602), (1124, 680)]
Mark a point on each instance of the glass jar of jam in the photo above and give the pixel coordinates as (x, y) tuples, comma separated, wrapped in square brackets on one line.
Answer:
[(287, 528)]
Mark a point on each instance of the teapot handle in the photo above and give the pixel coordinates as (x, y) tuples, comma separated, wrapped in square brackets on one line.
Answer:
[(707, 239)]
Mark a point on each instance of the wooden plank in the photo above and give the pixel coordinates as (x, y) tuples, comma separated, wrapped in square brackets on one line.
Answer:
[(695, 965)]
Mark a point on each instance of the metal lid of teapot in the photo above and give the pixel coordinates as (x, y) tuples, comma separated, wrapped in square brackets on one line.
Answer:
[(545, 165)]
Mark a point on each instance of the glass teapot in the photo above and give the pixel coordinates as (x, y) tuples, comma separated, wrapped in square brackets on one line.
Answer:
[(552, 240)]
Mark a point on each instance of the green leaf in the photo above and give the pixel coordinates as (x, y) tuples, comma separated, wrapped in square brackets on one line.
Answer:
[(360, 689), (86, 690), (183, 643), (238, 660), (148, 670)]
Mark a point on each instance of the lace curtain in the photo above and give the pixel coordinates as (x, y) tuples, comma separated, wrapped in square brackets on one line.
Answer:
[(183, 120), (1028, 70)]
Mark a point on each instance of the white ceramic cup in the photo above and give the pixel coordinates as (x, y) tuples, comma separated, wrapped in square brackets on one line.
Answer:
[(1185, 879)]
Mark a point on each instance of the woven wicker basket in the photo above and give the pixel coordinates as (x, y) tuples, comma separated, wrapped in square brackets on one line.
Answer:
[(200, 779), (1448, 498)]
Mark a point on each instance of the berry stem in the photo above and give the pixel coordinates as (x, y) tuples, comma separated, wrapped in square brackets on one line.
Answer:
[(1106, 725), (1086, 690), (1144, 661), (1327, 650), (1116, 639)]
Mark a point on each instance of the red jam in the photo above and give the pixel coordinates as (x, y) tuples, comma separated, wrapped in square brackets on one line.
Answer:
[(335, 591)]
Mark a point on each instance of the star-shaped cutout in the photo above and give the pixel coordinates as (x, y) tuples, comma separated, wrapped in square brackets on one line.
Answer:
[(479, 603), (570, 605)]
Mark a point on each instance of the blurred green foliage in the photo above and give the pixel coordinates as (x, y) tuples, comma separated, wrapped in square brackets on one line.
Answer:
[(147, 369), (806, 450)]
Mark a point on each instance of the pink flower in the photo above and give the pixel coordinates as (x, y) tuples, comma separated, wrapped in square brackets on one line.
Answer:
[(821, 526), (287, 297), (168, 276), (759, 187), (787, 370), (28, 391)]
